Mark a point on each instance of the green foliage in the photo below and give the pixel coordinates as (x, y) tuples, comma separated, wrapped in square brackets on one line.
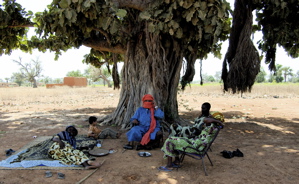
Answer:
[(76, 73), (18, 78), (217, 76), (13, 22), (208, 78), (261, 76), (198, 24), (57, 81), (295, 77), (46, 80), (278, 20), (286, 71)]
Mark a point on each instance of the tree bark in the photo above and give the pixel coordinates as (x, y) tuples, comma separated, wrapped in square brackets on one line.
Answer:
[(34, 83), (150, 67)]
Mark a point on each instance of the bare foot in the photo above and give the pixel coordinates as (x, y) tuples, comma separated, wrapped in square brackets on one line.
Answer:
[(118, 135), (91, 165)]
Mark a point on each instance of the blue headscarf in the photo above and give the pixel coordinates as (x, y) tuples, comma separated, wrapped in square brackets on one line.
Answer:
[(64, 135)]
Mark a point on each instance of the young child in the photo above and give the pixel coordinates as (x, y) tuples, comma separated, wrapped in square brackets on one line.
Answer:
[(97, 133)]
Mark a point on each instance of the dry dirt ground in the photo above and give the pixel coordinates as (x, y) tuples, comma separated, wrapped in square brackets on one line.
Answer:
[(264, 126)]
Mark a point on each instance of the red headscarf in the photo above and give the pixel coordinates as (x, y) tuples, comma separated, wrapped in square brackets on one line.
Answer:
[(149, 105)]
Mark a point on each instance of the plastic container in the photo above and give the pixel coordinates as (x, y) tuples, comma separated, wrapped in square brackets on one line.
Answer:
[(99, 144)]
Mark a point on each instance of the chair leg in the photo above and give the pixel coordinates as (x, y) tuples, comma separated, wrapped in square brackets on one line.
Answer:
[(204, 167), (209, 159), (182, 158)]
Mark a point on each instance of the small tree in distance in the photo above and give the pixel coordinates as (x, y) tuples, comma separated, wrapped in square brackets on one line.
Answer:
[(30, 70), (76, 73), (261, 76), (18, 78), (286, 71), (99, 73)]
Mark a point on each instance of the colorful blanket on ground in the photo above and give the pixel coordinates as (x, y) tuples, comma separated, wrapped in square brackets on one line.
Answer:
[(37, 155)]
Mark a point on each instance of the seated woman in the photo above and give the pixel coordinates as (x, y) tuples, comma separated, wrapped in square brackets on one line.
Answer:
[(174, 144), (64, 149), (177, 130)]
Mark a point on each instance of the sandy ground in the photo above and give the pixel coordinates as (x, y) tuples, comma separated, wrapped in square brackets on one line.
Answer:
[(264, 127)]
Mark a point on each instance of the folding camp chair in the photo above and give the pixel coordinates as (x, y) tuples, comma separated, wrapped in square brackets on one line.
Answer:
[(197, 154)]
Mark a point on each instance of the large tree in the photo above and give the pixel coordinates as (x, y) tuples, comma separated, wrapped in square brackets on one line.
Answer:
[(153, 38)]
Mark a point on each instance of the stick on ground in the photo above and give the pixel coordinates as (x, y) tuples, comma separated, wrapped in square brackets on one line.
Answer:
[(79, 182)]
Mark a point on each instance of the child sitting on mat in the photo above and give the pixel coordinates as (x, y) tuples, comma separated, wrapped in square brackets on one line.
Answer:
[(95, 132)]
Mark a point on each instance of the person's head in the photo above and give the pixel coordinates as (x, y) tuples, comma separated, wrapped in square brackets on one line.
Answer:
[(148, 101), (205, 108), (92, 119), (72, 130)]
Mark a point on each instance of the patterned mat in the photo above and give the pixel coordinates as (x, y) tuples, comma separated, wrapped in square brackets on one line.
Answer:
[(34, 155)]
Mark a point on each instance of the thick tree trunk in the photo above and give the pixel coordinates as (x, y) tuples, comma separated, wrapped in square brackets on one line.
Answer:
[(152, 66), (34, 83)]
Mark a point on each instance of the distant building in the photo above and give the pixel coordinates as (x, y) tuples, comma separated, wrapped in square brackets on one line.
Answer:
[(70, 82)]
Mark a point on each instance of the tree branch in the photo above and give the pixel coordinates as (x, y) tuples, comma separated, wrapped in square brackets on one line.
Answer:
[(103, 45), (135, 4), (105, 34), (24, 25)]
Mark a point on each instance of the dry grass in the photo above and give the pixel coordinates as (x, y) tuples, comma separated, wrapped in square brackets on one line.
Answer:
[(62, 96), (91, 96), (258, 91), (281, 90)]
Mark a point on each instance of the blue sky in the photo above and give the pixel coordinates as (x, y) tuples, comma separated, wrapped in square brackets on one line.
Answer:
[(72, 59)]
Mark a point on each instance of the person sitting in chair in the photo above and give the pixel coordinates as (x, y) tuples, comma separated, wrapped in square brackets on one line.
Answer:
[(146, 123), (173, 145), (177, 130)]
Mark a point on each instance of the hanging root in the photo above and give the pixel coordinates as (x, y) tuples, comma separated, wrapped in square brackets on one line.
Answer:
[(242, 57)]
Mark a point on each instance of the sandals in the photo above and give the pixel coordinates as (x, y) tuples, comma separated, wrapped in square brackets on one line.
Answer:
[(60, 176), (238, 153), (49, 174), (176, 165), (164, 168), (231, 154), (128, 146), (9, 152)]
